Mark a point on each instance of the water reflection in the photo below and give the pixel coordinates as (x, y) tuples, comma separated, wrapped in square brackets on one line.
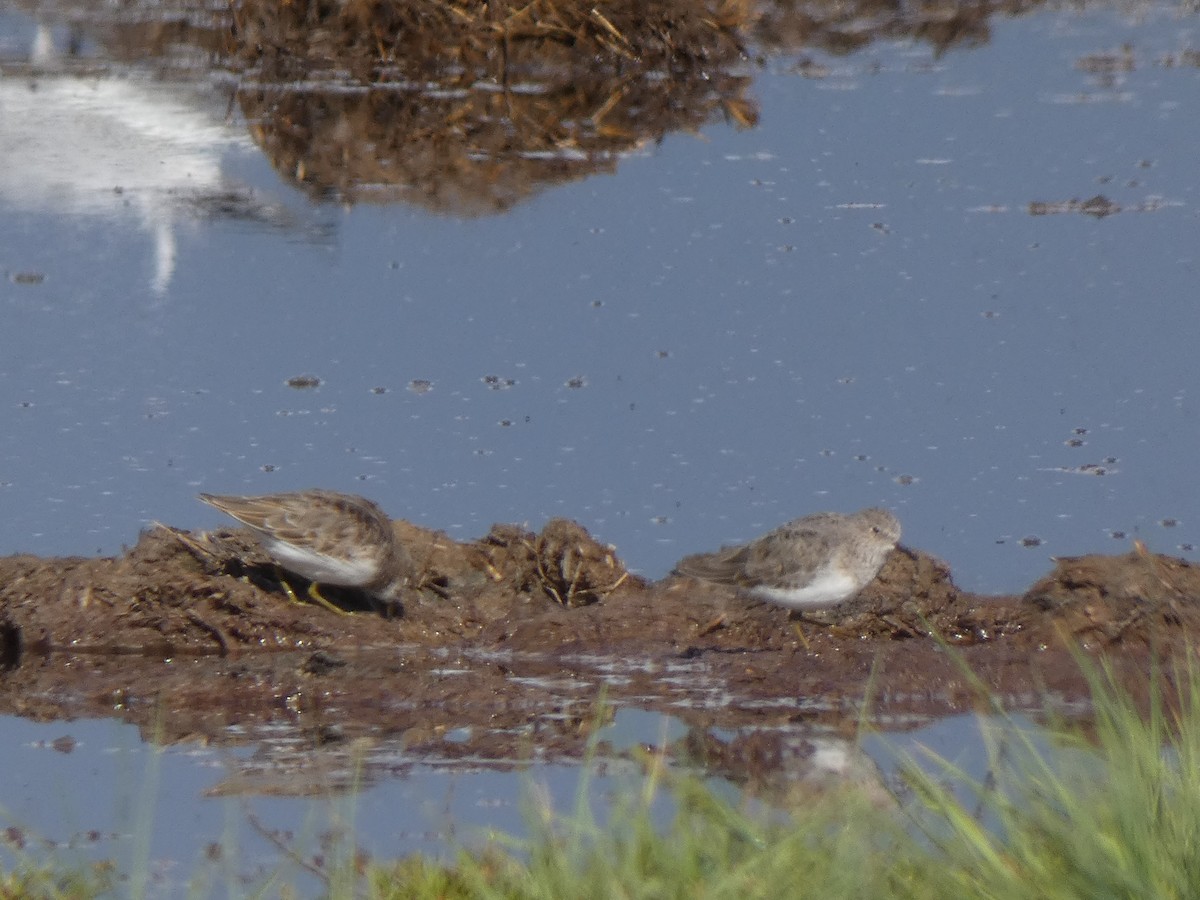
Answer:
[(83, 140), (471, 113)]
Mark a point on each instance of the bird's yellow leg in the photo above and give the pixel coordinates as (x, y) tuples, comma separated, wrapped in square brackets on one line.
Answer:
[(287, 587), (312, 592), (315, 594), (799, 629)]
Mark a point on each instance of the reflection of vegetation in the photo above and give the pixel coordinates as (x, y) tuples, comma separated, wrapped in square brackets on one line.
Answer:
[(794, 25), (470, 107), (1108, 809), (383, 39)]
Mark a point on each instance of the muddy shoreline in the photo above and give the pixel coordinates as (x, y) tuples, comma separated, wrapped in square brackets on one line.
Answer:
[(512, 639)]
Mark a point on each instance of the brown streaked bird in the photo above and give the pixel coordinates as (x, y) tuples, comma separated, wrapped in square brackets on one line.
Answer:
[(818, 560), (328, 538)]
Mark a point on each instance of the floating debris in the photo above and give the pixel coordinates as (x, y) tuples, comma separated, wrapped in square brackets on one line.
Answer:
[(1098, 206), (1096, 469)]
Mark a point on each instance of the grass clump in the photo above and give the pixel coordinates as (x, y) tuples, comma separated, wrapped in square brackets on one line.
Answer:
[(712, 848), (29, 881), (1108, 809)]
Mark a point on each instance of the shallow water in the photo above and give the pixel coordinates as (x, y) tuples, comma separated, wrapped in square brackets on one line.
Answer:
[(857, 302), (189, 817), (848, 305)]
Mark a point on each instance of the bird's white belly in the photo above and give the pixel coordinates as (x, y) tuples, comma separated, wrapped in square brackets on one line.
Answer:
[(320, 568), (828, 586)]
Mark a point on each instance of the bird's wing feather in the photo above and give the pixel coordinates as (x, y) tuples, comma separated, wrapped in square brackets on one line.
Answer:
[(293, 517), (724, 566), (748, 565)]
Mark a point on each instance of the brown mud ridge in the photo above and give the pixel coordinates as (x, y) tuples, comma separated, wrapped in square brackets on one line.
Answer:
[(510, 640)]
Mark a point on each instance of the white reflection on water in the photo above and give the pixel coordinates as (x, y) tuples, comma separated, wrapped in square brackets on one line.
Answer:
[(97, 145)]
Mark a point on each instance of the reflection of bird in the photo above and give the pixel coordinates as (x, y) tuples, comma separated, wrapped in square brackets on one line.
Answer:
[(164, 143), (328, 538), (818, 560)]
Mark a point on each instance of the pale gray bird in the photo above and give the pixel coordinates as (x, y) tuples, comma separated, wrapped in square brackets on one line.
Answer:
[(818, 560)]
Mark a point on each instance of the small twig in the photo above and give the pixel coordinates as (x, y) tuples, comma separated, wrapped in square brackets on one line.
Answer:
[(217, 634), (288, 851), (616, 584), (199, 550), (712, 625)]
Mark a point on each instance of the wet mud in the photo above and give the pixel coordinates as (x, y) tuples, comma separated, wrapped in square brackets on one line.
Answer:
[(506, 644)]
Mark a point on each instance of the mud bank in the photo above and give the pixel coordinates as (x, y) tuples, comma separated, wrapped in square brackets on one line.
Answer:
[(509, 641)]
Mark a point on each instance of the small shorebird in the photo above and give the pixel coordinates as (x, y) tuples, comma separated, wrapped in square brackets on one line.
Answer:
[(818, 560), (329, 538)]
